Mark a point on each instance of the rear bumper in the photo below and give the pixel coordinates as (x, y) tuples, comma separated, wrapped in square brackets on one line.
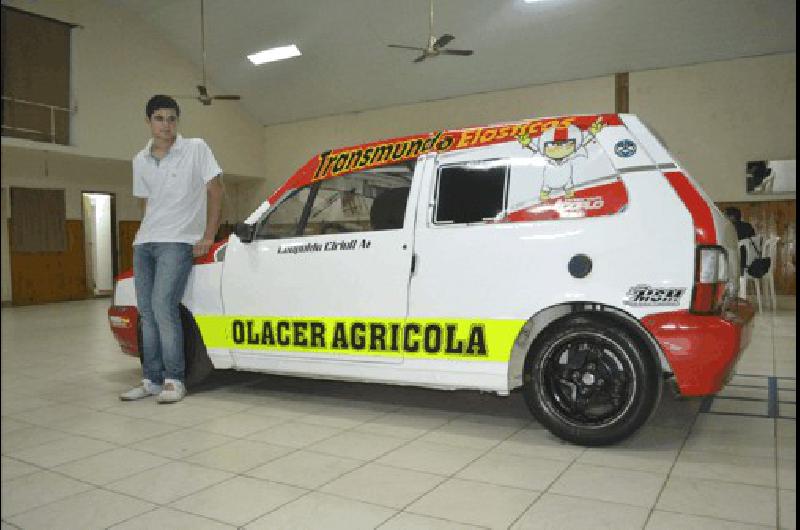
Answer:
[(703, 350), (124, 325)]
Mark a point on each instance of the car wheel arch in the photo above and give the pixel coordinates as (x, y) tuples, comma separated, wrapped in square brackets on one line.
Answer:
[(549, 316), (198, 364)]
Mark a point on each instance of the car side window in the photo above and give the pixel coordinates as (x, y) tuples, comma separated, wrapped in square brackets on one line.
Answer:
[(284, 220), (471, 192), (363, 201)]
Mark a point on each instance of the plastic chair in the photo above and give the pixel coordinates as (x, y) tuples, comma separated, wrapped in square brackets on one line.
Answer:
[(750, 252), (766, 185), (770, 250)]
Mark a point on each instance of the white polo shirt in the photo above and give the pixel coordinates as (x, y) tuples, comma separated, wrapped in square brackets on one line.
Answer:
[(175, 189)]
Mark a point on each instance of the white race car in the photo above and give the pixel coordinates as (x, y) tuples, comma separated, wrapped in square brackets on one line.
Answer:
[(571, 257)]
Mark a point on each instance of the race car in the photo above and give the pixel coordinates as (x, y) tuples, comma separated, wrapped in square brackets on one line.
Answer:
[(570, 257)]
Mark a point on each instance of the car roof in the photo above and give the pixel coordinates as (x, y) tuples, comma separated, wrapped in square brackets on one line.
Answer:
[(340, 161)]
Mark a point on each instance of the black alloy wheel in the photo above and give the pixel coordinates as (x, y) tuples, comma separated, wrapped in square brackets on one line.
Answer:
[(590, 381)]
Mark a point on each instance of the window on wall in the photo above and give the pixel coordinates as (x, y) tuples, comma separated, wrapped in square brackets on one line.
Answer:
[(38, 220), (35, 77)]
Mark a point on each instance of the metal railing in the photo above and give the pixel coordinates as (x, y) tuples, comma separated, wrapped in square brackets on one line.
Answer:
[(53, 109)]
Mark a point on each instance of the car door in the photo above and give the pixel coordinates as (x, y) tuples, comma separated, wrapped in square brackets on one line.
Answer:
[(326, 275)]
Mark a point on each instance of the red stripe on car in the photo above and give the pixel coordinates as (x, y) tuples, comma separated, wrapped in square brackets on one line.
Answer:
[(702, 218)]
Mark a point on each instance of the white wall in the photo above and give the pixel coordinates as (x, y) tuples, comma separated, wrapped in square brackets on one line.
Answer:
[(714, 117), (118, 63), (288, 146), (5, 269), (76, 175)]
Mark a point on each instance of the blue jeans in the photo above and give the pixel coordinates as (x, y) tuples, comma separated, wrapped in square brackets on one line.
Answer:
[(161, 271)]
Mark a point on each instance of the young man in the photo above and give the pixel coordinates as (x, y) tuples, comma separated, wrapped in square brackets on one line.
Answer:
[(180, 182)]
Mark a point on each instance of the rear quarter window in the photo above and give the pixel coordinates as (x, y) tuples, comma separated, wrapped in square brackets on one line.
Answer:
[(563, 173), (470, 193)]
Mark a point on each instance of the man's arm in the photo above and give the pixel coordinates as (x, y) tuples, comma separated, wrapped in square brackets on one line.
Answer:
[(213, 216)]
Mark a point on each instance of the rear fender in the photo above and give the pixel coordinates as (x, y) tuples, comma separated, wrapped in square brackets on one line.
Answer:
[(543, 319)]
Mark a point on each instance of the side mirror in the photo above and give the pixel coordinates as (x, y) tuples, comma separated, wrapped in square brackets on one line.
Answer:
[(244, 232)]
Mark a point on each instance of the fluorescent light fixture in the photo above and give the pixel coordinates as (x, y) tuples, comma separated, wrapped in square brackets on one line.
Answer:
[(274, 54)]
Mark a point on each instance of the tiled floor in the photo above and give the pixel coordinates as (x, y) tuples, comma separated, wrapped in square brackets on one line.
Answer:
[(259, 451)]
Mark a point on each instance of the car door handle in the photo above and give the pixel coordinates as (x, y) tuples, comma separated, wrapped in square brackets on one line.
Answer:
[(413, 263)]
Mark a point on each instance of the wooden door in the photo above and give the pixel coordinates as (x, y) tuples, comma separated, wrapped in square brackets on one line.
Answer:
[(127, 232), (41, 277), (775, 218)]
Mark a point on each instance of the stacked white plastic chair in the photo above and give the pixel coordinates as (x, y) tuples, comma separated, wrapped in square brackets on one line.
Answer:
[(750, 255), (770, 250)]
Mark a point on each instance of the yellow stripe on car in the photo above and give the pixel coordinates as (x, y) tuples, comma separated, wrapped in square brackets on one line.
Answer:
[(461, 339)]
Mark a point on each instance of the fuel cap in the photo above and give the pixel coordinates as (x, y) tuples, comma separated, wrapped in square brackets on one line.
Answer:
[(580, 266)]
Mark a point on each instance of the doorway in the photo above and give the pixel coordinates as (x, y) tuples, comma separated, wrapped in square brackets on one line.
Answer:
[(99, 225)]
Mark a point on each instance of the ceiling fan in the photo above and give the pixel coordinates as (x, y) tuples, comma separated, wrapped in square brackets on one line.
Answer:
[(436, 46), (202, 92)]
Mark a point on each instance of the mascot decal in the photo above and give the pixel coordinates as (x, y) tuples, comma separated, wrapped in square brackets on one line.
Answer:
[(560, 146)]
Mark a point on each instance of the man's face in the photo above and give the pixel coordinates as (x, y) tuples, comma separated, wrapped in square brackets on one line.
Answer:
[(164, 124)]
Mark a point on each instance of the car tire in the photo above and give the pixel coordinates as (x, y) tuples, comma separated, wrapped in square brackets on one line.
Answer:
[(591, 381), (197, 365), (139, 340)]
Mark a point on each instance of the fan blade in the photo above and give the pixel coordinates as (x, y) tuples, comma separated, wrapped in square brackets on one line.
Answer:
[(457, 52), (406, 47), (421, 58), (202, 90), (443, 41), (231, 97)]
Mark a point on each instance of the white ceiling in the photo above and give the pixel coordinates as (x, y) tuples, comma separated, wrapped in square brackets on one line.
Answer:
[(346, 65)]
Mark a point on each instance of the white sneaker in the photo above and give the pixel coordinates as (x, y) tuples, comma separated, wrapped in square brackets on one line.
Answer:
[(147, 388), (172, 391)]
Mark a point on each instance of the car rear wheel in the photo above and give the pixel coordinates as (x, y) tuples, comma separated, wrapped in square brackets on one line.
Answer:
[(590, 381)]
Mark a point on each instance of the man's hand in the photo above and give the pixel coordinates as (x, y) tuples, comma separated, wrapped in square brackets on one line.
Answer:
[(202, 247)]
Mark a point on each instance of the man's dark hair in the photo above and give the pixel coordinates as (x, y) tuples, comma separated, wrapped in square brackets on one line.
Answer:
[(160, 101), (733, 213)]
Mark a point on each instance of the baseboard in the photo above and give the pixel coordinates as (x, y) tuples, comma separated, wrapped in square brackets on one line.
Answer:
[(788, 302), (784, 302)]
